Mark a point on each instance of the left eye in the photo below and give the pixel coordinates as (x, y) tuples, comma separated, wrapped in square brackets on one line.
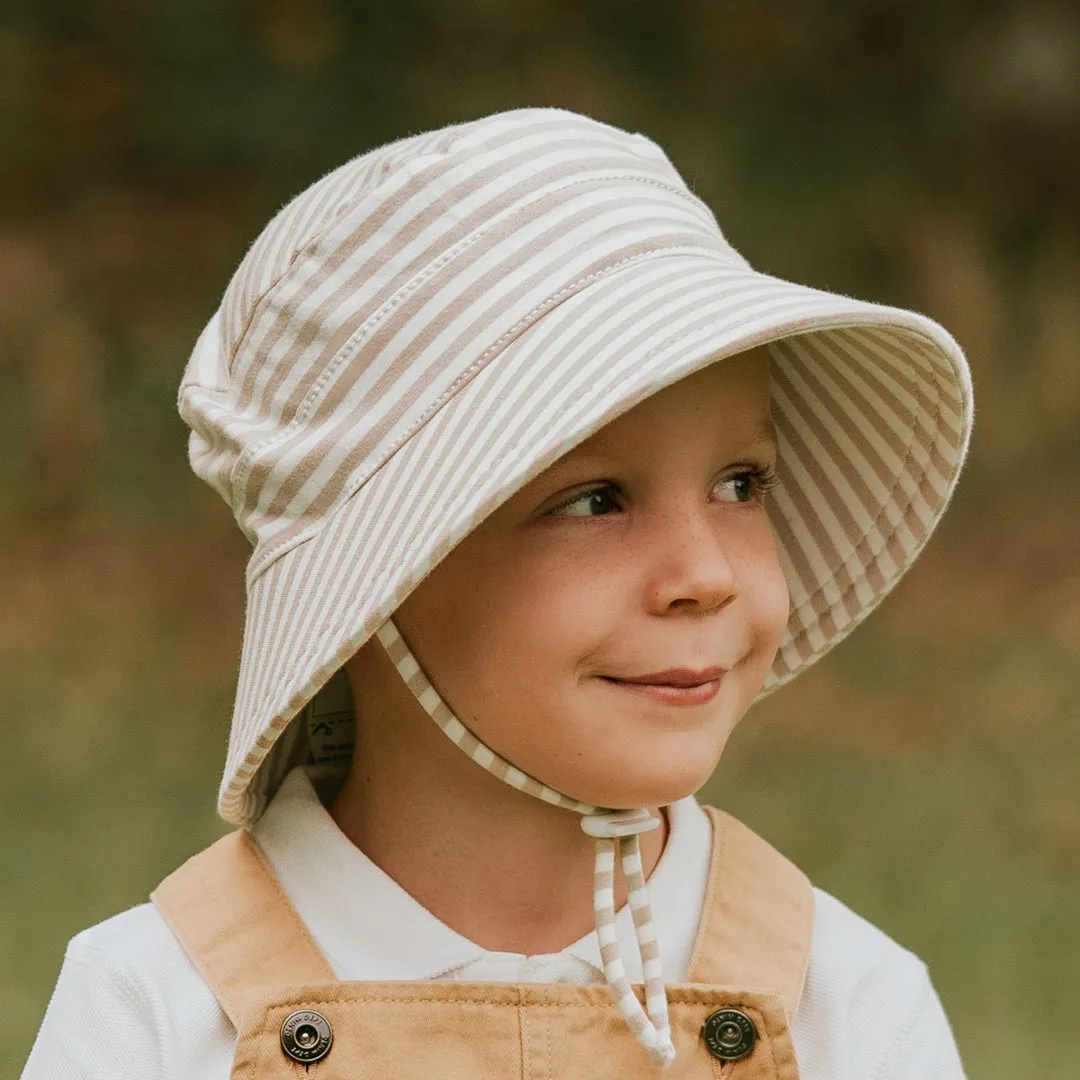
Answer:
[(742, 487), (590, 504)]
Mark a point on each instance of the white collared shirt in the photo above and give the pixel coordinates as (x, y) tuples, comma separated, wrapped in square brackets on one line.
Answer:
[(868, 1008)]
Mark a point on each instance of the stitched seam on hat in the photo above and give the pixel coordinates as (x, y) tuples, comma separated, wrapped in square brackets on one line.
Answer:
[(902, 507), (350, 204), (356, 340), (245, 462), (399, 439), (326, 226)]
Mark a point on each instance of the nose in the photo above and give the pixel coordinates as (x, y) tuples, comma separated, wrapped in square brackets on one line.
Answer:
[(689, 567)]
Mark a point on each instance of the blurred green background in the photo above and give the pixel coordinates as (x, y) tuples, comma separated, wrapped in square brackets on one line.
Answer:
[(924, 154)]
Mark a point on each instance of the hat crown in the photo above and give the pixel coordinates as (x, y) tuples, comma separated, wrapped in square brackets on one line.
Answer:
[(380, 291)]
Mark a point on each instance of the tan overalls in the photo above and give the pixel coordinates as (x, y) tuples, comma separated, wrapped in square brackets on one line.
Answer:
[(730, 1020)]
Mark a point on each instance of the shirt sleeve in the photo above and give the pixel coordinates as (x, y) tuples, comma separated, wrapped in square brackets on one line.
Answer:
[(97, 1027), (924, 1047), (130, 1005), (869, 1010)]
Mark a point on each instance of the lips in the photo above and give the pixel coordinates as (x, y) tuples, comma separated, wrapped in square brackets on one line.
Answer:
[(676, 686), (682, 677)]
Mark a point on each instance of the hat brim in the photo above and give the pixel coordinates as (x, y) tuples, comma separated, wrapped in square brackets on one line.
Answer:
[(872, 407)]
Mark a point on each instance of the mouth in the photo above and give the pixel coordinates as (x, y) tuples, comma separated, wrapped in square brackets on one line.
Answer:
[(678, 686)]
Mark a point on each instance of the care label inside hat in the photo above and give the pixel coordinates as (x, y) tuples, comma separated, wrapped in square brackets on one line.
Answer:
[(330, 724)]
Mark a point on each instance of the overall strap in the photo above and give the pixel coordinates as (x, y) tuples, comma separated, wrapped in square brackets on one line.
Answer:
[(236, 925), (241, 932), (758, 919)]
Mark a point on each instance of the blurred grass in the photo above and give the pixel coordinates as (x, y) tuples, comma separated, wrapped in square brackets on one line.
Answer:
[(925, 155), (951, 849)]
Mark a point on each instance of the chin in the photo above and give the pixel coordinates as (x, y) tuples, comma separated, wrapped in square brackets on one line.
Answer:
[(632, 789)]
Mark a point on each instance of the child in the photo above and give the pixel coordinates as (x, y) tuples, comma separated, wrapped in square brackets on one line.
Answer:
[(524, 447)]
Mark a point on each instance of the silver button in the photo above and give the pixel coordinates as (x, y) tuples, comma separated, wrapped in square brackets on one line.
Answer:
[(306, 1036), (729, 1034)]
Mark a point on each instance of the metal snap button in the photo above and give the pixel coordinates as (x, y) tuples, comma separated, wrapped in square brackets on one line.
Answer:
[(729, 1034), (306, 1036)]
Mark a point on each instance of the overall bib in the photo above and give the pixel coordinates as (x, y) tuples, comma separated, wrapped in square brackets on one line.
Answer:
[(294, 1019)]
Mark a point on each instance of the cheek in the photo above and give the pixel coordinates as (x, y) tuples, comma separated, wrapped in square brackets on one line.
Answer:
[(492, 630), (556, 589), (545, 624), (766, 589)]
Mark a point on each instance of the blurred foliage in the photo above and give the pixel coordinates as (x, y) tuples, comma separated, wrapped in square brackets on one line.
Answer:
[(922, 154)]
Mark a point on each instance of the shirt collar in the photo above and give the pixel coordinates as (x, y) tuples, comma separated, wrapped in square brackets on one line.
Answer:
[(369, 928)]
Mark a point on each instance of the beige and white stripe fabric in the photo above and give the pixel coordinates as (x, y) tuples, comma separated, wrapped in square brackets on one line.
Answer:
[(424, 330), (620, 828)]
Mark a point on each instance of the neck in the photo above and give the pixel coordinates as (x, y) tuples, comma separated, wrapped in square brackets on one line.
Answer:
[(503, 869)]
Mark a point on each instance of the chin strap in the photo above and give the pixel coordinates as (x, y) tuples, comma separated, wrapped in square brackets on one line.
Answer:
[(611, 829)]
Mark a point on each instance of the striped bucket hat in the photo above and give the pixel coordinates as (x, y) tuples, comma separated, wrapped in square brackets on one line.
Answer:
[(423, 331), (427, 328)]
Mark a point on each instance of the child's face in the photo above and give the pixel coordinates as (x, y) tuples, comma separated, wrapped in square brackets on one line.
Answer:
[(606, 628)]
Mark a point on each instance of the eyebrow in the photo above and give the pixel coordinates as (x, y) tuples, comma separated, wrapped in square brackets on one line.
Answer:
[(765, 429), (765, 433), (763, 436)]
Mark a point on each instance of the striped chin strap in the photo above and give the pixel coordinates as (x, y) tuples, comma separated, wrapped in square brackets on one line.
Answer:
[(610, 828)]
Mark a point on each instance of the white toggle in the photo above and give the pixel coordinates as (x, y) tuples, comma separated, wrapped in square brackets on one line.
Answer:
[(619, 823)]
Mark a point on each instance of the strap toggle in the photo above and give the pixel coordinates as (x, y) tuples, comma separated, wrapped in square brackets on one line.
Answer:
[(616, 823)]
